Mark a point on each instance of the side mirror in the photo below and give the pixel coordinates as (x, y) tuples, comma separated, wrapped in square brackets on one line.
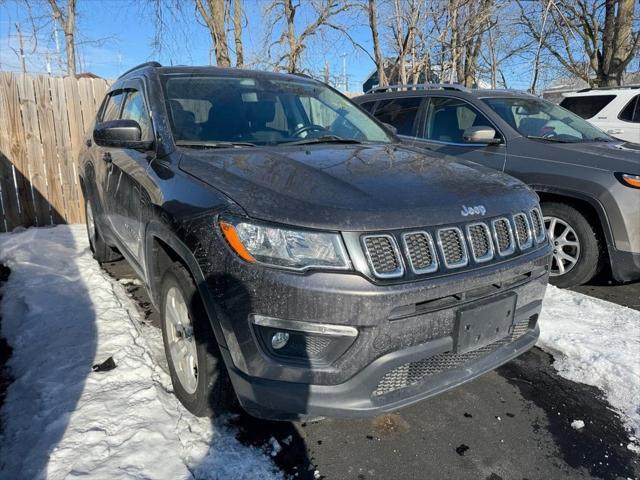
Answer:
[(484, 135), (120, 134), (393, 129)]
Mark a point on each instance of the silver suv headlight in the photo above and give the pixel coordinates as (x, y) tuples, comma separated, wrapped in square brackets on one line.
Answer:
[(284, 247)]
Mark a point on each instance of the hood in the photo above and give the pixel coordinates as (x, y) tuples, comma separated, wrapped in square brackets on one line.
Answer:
[(613, 156), (355, 187)]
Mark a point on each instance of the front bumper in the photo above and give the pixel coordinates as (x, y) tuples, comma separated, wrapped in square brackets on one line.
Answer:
[(389, 343)]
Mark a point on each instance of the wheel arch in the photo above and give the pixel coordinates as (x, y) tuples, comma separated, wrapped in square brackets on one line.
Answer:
[(588, 206), (163, 248)]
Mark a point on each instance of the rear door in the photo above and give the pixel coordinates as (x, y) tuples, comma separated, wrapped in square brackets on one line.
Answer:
[(442, 128), (128, 173)]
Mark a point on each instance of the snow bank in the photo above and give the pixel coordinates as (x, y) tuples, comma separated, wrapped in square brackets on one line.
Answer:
[(597, 343), (62, 314)]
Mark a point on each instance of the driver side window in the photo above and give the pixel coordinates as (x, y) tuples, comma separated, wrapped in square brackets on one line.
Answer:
[(448, 118)]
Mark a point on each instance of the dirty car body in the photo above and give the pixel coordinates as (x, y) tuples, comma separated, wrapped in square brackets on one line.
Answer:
[(401, 275)]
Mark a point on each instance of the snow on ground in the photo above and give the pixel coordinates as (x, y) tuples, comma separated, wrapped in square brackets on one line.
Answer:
[(62, 314), (598, 343)]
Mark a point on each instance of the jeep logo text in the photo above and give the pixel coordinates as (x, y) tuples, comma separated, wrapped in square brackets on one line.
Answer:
[(475, 210)]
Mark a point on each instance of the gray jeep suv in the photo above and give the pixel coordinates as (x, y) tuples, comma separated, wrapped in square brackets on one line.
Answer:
[(587, 181), (303, 260)]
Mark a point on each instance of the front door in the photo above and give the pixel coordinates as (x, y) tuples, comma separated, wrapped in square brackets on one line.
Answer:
[(443, 127), (128, 170)]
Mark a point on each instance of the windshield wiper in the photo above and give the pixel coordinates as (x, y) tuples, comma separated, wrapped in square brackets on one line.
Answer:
[(202, 144), (548, 139), (322, 139)]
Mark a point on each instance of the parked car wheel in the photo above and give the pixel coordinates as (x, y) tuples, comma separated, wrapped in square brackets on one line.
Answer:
[(101, 251), (577, 254), (199, 376)]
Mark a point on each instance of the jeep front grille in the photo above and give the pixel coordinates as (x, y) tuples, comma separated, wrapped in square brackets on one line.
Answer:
[(503, 236), (420, 251), (537, 223), (383, 256), (453, 247), (414, 372), (438, 249), (523, 232), (480, 241)]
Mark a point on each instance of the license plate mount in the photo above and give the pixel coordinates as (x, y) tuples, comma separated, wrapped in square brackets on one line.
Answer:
[(483, 323)]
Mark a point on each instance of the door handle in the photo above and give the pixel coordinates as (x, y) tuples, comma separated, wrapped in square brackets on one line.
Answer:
[(106, 156), (613, 131)]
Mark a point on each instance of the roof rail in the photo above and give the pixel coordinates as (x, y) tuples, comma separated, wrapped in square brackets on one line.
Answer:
[(419, 86), (616, 87), (142, 65)]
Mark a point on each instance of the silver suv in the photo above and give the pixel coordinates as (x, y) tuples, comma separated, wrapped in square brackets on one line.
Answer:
[(588, 181)]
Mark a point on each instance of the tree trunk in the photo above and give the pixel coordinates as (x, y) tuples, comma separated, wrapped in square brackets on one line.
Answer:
[(237, 32), (373, 24), (290, 14), (67, 22), (215, 19)]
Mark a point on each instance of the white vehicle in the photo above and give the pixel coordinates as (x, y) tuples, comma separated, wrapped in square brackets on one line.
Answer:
[(614, 110)]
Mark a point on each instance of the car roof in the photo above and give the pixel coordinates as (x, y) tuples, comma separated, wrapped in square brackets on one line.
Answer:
[(213, 70), (629, 90), (473, 93)]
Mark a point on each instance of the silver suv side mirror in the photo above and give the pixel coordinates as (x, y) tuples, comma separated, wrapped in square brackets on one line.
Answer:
[(484, 135)]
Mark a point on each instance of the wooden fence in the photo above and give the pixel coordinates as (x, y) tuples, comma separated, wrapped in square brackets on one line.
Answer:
[(42, 125)]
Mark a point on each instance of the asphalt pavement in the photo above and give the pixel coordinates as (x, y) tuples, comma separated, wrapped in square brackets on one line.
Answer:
[(510, 424)]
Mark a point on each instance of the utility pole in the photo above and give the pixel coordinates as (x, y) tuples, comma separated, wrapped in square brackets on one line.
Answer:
[(23, 62), (344, 72)]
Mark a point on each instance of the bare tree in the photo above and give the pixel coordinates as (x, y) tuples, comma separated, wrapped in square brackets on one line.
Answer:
[(214, 15), (291, 42), (592, 40), (66, 18), (237, 32), (375, 37)]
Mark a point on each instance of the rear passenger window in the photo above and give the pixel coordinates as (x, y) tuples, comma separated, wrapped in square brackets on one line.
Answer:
[(588, 106), (112, 108), (399, 112), (631, 113)]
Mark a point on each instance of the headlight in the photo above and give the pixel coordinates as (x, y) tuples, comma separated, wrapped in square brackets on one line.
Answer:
[(284, 247), (629, 179)]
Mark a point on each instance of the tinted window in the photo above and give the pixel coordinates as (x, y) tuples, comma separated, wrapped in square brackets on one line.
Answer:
[(135, 109), (448, 118), (399, 112), (368, 106), (586, 107), (631, 113), (112, 108)]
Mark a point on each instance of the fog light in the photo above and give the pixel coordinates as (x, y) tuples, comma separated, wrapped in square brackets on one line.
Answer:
[(279, 340)]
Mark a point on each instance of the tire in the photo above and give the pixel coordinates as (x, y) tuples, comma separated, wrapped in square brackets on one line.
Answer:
[(211, 394), (573, 236), (102, 252)]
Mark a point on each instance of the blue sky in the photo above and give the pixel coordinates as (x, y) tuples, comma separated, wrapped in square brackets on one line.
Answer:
[(115, 35)]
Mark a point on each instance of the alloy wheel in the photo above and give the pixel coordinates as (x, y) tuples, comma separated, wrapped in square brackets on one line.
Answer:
[(180, 339), (565, 243)]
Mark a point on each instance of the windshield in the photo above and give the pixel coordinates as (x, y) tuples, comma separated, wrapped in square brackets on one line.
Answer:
[(228, 111), (539, 119)]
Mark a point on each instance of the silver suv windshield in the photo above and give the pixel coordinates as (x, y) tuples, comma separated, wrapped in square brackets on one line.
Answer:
[(542, 120), (224, 111)]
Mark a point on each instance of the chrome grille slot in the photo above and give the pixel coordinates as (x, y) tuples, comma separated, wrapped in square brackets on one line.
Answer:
[(420, 251), (523, 231), (479, 238), (452, 247), (383, 256), (503, 236), (537, 223)]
